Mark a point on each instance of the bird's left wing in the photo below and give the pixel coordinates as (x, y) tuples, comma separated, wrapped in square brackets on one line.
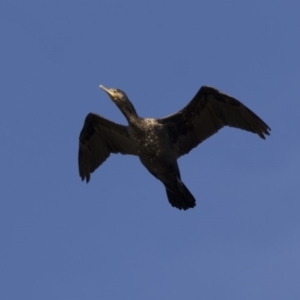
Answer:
[(98, 138), (208, 112)]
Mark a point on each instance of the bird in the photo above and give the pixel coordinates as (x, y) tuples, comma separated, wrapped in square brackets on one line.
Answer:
[(160, 142)]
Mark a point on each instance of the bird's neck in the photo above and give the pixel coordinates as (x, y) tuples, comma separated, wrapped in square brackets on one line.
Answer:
[(129, 112)]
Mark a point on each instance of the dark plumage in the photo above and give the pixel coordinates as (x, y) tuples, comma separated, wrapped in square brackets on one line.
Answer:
[(160, 142)]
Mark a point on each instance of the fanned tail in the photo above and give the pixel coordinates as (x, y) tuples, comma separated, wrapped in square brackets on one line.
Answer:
[(179, 196)]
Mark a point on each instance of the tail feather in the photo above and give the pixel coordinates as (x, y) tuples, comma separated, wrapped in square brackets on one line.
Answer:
[(180, 197)]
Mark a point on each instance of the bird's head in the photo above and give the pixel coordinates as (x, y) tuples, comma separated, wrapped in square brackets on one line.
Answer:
[(115, 95), (122, 101)]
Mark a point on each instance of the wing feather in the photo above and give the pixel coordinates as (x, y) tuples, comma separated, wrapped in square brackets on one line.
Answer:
[(99, 138), (209, 111)]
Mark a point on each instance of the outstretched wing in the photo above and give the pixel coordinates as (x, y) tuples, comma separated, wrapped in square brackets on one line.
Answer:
[(98, 138), (209, 111)]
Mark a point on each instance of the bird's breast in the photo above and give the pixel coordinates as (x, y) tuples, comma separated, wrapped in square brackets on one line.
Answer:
[(151, 138)]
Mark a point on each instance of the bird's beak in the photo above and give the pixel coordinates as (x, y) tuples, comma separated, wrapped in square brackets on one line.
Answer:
[(107, 90)]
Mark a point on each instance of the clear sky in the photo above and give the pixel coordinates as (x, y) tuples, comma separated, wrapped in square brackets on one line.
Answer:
[(117, 237)]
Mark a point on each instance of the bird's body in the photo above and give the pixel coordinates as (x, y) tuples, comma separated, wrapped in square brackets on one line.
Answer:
[(160, 142), (152, 143), (154, 148)]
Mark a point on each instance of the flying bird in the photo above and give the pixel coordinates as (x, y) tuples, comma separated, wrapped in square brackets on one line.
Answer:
[(160, 142)]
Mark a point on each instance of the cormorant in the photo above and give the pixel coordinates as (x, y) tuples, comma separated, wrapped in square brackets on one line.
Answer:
[(160, 142)]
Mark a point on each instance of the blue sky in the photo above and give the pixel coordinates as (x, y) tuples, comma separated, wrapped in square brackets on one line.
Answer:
[(117, 237)]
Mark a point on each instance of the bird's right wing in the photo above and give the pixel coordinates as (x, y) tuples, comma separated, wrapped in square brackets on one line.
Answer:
[(98, 138)]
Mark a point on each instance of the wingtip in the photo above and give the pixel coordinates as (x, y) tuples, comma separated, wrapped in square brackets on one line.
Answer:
[(85, 177), (264, 133)]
